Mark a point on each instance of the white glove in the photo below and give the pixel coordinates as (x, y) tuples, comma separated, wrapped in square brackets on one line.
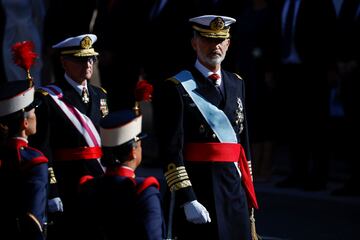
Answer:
[(55, 205), (196, 213)]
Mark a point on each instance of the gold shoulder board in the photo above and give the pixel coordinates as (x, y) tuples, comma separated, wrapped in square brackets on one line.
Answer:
[(174, 80), (42, 91), (103, 90), (238, 76)]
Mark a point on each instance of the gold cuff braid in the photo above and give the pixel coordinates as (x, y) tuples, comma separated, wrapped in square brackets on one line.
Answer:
[(177, 177)]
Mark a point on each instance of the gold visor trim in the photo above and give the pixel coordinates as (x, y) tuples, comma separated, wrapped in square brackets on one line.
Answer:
[(224, 33), (81, 52)]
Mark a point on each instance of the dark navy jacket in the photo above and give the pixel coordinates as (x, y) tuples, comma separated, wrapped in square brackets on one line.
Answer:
[(23, 189), (56, 132), (121, 206), (216, 185)]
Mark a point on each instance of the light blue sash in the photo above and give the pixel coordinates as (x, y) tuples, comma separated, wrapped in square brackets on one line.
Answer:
[(215, 117)]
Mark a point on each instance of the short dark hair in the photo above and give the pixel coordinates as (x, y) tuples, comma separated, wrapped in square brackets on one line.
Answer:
[(10, 125), (113, 156)]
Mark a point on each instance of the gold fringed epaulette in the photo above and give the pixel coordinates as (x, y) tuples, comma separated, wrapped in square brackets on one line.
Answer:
[(42, 91), (173, 79), (238, 76), (177, 177)]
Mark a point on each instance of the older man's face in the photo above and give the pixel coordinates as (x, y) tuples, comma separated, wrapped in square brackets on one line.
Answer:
[(210, 51), (79, 69)]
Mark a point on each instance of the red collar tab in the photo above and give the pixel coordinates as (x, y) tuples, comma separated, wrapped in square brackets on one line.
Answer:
[(121, 171)]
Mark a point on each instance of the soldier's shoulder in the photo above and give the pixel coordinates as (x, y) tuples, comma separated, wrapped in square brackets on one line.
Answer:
[(232, 74), (103, 90), (32, 156), (172, 80), (238, 76), (146, 183), (99, 89), (42, 92)]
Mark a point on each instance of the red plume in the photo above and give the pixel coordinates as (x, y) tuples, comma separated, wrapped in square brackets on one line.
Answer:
[(23, 55), (143, 91)]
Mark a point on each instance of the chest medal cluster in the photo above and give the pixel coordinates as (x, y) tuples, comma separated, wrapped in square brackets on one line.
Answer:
[(239, 118)]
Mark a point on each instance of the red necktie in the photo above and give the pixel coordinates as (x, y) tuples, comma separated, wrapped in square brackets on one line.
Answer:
[(214, 77)]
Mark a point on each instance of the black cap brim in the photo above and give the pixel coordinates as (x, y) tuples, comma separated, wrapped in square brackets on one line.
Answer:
[(36, 103), (142, 136)]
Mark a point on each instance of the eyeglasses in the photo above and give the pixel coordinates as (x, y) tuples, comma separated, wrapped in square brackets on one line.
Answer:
[(90, 59)]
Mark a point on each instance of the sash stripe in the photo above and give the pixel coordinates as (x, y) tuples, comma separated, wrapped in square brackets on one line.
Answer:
[(82, 122), (220, 124), (84, 125), (214, 116)]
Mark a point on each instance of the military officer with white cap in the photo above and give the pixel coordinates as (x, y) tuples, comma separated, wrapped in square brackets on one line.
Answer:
[(121, 205), (23, 169), (204, 141), (69, 118)]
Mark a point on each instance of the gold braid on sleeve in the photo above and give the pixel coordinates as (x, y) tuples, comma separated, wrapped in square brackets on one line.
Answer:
[(177, 177)]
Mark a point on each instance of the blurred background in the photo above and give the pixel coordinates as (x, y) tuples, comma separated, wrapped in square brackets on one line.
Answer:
[(300, 63)]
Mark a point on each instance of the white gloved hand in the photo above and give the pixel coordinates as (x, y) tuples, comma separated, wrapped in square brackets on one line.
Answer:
[(196, 213), (55, 205)]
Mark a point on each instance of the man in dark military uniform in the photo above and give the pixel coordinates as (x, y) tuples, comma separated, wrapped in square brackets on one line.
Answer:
[(68, 120), (204, 141), (120, 205), (23, 169)]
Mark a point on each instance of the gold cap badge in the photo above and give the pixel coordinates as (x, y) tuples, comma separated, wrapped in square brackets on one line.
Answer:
[(86, 42), (217, 24)]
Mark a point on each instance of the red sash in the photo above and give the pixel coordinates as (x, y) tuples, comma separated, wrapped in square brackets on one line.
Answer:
[(79, 153), (224, 152)]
